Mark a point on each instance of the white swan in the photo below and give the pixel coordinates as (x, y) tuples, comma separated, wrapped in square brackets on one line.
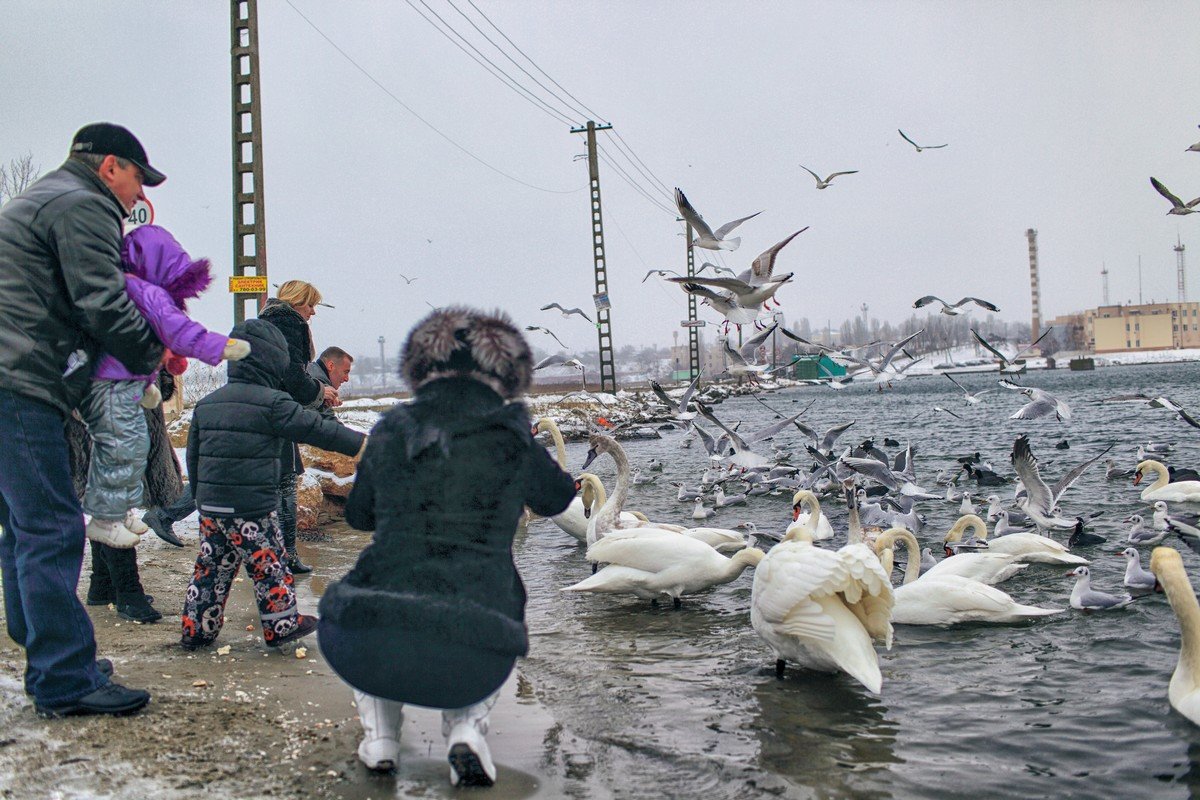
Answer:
[(574, 519), (822, 609), (1184, 690), (1028, 547), (610, 515), (987, 567), (650, 563), (1163, 488), (813, 519), (947, 599)]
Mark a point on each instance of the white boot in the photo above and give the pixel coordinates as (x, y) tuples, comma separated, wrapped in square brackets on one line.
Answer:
[(134, 523), (467, 751), (381, 720), (111, 532)]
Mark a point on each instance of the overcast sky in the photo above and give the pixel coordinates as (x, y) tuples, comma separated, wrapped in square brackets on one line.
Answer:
[(1056, 114)]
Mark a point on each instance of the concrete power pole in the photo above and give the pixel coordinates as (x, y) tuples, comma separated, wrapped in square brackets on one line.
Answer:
[(693, 324), (1104, 280), (249, 218), (608, 372)]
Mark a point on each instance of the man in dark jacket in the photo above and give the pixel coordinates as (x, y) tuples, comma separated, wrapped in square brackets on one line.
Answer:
[(233, 465), (332, 369), (433, 613), (62, 302)]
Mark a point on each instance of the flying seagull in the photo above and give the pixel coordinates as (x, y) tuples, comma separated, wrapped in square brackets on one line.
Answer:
[(1041, 403), (1041, 498), (1193, 148), (1010, 364), (547, 331), (1171, 405), (566, 312), (971, 397), (824, 184), (953, 310), (1178, 206), (563, 361), (762, 268), (716, 270), (662, 273), (918, 146), (705, 237), (679, 408)]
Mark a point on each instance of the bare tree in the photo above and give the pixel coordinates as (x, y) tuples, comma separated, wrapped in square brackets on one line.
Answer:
[(17, 176)]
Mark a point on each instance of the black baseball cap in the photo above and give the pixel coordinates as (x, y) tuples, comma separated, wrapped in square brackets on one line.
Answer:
[(105, 138)]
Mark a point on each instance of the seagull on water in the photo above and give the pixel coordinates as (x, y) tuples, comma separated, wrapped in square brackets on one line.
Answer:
[(1085, 598), (1177, 206), (824, 183), (953, 309), (706, 237), (566, 312), (919, 146)]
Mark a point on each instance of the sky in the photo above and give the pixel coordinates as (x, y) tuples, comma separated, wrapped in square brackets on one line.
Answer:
[(1056, 113)]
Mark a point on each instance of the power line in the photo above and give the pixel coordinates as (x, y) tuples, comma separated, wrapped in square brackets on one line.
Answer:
[(591, 114), (424, 121), (649, 187), (502, 52), (652, 176), (634, 184), (507, 80)]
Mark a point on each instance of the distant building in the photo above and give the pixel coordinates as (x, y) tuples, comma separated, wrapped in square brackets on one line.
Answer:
[(1124, 328)]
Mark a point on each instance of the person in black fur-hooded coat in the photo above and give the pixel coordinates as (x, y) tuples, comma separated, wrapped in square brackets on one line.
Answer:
[(433, 613)]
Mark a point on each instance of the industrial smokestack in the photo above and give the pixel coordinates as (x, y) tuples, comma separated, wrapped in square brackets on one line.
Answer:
[(1035, 322)]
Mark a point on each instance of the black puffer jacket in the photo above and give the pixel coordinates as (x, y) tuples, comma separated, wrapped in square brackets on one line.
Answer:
[(62, 293), (442, 484), (296, 380), (236, 432)]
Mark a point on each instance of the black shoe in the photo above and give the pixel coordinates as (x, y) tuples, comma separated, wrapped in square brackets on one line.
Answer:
[(100, 597), (297, 566), (111, 698), (140, 611), (192, 645), (154, 520), (104, 667), (305, 626)]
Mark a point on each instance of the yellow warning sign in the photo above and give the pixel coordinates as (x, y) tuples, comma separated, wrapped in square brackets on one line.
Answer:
[(248, 284)]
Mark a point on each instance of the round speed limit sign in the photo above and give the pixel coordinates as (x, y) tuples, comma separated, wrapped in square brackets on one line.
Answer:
[(142, 214)]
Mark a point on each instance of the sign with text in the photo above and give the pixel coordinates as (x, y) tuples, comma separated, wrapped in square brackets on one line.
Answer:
[(141, 214), (248, 284), (602, 301), (694, 323)]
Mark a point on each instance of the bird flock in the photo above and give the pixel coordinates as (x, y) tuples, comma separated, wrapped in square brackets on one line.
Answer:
[(823, 596)]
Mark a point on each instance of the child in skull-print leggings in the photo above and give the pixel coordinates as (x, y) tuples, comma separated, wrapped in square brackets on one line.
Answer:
[(225, 542)]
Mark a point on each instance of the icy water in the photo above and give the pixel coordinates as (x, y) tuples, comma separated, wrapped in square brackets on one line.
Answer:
[(658, 702)]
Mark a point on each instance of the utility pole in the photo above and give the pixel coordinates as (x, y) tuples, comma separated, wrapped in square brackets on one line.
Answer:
[(1180, 281), (382, 364), (249, 219), (693, 328), (608, 372), (1104, 278)]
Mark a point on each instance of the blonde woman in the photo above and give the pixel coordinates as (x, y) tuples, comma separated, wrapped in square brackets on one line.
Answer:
[(289, 311)]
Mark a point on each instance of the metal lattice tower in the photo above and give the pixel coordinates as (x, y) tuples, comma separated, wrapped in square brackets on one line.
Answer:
[(249, 222), (608, 372), (1104, 280), (693, 329), (1035, 322), (1180, 279)]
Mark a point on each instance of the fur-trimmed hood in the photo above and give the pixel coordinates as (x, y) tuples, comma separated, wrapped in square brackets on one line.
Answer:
[(463, 342), (152, 254)]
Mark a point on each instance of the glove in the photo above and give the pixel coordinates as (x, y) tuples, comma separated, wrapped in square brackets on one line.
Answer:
[(176, 365), (151, 398), (236, 350)]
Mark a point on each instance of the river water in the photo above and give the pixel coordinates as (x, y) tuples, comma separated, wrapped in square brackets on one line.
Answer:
[(659, 702)]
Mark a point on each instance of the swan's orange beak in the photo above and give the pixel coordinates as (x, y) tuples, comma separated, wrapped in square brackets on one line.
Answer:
[(1137, 477), (578, 485)]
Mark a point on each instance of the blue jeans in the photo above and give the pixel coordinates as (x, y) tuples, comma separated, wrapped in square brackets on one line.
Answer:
[(41, 554)]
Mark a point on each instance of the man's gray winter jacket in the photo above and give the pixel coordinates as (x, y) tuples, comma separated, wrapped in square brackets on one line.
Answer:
[(62, 292)]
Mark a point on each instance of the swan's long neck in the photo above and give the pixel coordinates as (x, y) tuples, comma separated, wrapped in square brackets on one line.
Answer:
[(1164, 476), (560, 447), (598, 495), (1183, 600), (912, 570), (749, 557), (814, 511), (855, 534), (607, 518), (978, 528)]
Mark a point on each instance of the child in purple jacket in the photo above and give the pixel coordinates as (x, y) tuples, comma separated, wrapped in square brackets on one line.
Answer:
[(160, 278)]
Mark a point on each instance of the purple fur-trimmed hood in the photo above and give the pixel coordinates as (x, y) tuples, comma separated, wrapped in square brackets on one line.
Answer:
[(152, 254)]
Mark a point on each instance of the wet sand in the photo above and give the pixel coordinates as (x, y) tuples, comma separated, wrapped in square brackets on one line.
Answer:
[(251, 723)]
